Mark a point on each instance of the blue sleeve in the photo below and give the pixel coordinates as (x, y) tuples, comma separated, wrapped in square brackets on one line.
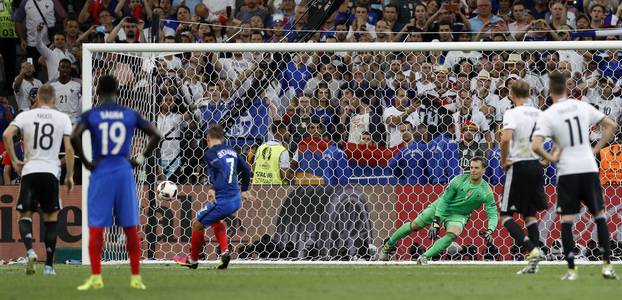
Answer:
[(210, 173), (394, 164), (141, 122), (20, 13), (245, 171)]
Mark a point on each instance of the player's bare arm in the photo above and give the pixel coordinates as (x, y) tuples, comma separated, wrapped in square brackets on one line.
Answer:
[(76, 141), (69, 162), (537, 145), (607, 128), (154, 139), (506, 138)]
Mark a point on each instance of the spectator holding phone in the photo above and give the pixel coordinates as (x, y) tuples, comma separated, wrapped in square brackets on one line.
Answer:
[(402, 112), (484, 15)]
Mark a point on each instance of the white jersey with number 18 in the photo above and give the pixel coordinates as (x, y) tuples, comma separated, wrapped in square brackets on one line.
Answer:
[(522, 120), (568, 123), (43, 130)]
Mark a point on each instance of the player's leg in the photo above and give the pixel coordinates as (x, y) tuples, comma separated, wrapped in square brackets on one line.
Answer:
[(100, 205), (220, 231), (454, 228), (421, 221), (50, 205), (568, 206), (26, 205), (197, 240), (593, 199), (126, 212)]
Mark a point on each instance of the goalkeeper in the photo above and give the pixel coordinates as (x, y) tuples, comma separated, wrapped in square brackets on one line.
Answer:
[(465, 193)]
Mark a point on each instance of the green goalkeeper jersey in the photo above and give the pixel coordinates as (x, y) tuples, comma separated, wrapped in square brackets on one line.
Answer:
[(461, 197)]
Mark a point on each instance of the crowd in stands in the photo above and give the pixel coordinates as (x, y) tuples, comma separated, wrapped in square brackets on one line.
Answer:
[(410, 117)]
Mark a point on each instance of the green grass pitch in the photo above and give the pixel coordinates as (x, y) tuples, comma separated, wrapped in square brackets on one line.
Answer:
[(314, 282)]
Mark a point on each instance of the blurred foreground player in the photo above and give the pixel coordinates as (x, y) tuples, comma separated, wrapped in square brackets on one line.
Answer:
[(112, 187), (223, 166)]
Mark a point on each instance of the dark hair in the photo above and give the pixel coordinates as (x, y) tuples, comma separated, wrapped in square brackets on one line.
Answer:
[(480, 159), (64, 60), (107, 85), (278, 124), (557, 83), (216, 132)]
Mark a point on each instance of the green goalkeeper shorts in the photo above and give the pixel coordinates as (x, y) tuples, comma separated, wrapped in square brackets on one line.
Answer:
[(426, 217)]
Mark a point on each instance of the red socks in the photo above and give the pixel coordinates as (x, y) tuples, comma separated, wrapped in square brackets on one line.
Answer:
[(96, 242), (133, 248), (221, 235), (196, 244)]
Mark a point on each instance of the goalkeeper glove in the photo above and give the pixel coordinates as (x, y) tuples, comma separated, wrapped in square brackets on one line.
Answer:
[(435, 229), (487, 235)]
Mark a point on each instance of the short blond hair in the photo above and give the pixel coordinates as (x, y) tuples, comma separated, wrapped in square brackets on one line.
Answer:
[(47, 94), (520, 88)]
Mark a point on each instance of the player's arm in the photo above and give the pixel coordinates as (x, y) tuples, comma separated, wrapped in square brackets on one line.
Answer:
[(505, 148), (543, 129), (7, 138), (244, 170), (491, 211), (69, 162), (608, 128), (76, 142), (154, 139)]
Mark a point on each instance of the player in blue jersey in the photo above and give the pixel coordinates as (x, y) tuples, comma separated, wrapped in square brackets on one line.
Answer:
[(112, 188), (225, 195)]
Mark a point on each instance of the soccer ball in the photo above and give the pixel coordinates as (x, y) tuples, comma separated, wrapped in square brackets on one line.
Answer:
[(167, 191)]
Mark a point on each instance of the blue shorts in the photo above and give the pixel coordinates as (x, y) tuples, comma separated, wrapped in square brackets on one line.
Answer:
[(214, 212), (112, 193)]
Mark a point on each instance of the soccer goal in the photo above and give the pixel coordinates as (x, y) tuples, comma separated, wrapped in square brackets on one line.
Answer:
[(355, 182)]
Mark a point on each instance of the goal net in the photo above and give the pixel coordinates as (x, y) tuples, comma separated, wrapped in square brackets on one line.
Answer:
[(357, 173)]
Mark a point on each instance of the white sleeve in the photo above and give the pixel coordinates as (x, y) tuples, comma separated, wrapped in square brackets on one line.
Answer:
[(508, 120), (543, 128), (284, 160), (19, 121), (594, 114), (67, 127)]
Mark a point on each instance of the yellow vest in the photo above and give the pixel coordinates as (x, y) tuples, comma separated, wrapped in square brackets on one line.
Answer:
[(7, 26), (267, 166)]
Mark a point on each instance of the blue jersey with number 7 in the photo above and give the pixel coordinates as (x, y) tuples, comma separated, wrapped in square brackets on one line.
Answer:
[(223, 165), (111, 126)]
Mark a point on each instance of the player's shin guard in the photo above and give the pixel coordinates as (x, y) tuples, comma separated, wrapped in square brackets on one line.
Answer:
[(440, 245), (221, 235), (133, 248), (50, 241), (568, 243), (96, 242), (517, 233), (196, 244), (402, 232), (533, 232), (603, 237), (25, 231)]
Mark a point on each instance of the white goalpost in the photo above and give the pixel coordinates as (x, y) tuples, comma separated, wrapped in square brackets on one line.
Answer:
[(337, 210)]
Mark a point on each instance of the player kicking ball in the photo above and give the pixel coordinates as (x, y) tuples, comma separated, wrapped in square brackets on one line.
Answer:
[(464, 194), (223, 166), (112, 188)]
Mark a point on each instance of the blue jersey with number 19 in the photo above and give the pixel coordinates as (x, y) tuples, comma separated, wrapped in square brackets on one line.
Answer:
[(223, 165), (112, 127)]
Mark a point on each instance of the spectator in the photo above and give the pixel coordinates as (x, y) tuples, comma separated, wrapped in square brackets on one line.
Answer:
[(323, 108), (272, 160), (361, 23), (53, 56), (297, 73), (134, 8), (286, 10), (300, 120), (250, 9), (443, 153), (7, 113), (467, 115), (402, 112), (68, 92), (409, 164), (597, 14), (213, 106), (504, 10), (521, 19), (389, 15), (483, 87), (169, 123), (357, 117), (603, 98), (540, 9), (10, 177), (23, 84), (218, 8), (468, 147), (560, 16), (448, 15), (484, 16), (29, 15), (180, 23), (127, 31)]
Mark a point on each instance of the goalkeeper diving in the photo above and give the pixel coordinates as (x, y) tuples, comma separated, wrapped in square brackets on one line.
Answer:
[(464, 194)]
